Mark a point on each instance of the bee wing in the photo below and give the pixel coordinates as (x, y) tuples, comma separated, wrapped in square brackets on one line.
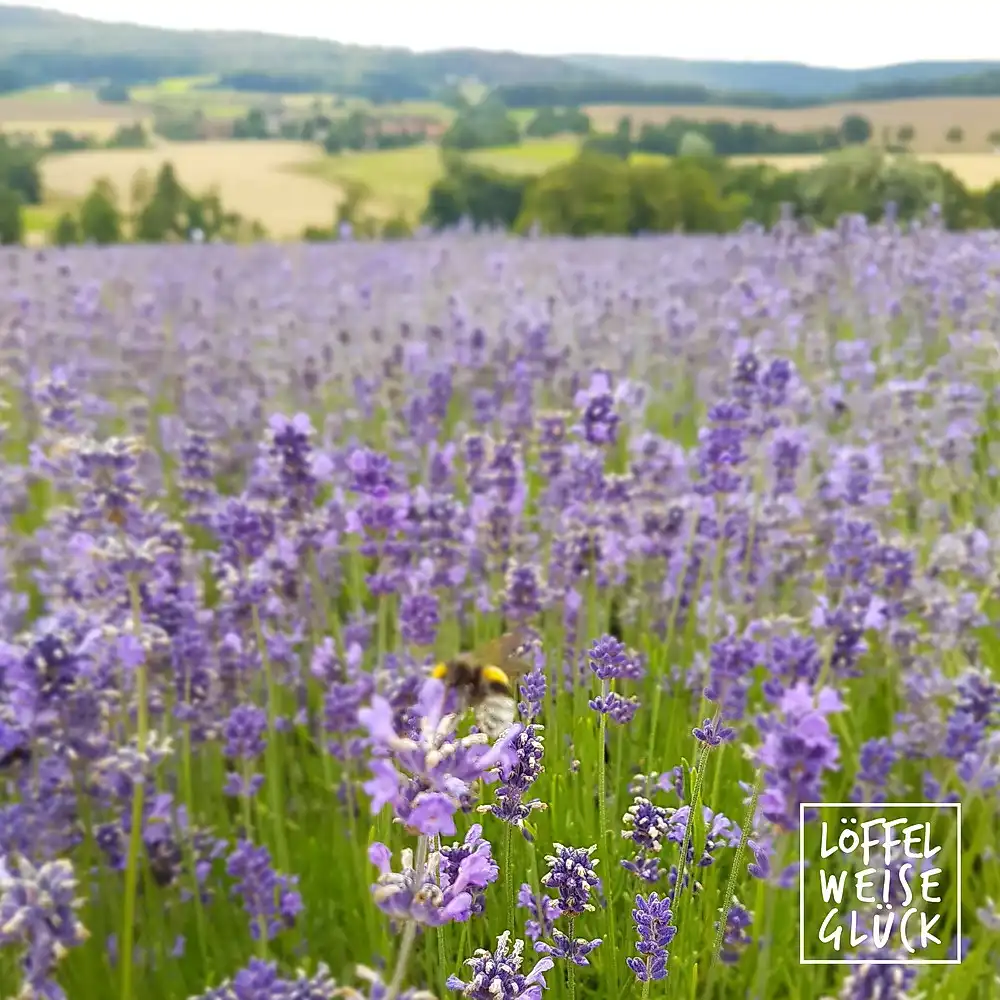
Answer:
[(495, 714), (499, 652)]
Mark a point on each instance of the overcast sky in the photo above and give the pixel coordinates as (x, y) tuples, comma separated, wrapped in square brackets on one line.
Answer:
[(847, 33)]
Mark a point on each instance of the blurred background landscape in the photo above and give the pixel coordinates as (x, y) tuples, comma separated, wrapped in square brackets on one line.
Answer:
[(116, 131)]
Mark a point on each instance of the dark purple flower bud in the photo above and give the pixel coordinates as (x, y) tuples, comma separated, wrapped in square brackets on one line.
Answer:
[(244, 732), (419, 618), (713, 734), (876, 760), (523, 593), (533, 688), (735, 937), (620, 710), (260, 981), (654, 927), (760, 867), (609, 658), (564, 947), (271, 901), (543, 909)]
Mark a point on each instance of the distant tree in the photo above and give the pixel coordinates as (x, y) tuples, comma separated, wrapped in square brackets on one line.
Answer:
[(855, 130), (113, 93), (129, 137), (100, 220), (481, 126), (590, 195), (11, 223), (162, 216), (252, 126), (695, 144), (67, 230), (63, 141), (955, 134), (991, 205), (19, 171), (994, 138), (396, 228), (906, 134)]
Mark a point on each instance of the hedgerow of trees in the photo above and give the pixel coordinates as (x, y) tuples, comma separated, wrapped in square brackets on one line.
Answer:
[(161, 210), (599, 193), (482, 125)]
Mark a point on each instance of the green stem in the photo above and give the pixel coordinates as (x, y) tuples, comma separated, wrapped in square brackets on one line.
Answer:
[(668, 645), (508, 873), (272, 759), (246, 804), (736, 871), (602, 812), (138, 801), (409, 932), (571, 966)]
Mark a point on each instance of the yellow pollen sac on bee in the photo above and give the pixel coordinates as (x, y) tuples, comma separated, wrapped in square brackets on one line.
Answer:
[(494, 675), (440, 671)]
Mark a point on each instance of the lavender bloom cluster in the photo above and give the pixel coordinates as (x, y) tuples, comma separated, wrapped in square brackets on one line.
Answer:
[(735, 493)]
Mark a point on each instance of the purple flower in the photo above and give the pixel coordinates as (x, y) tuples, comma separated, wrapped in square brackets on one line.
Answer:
[(427, 778), (876, 759), (497, 975), (798, 749), (609, 658), (620, 710), (571, 873), (517, 774), (244, 732), (543, 909), (38, 910), (567, 948), (735, 937), (291, 445), (533, 688), (730, 664), (654, 926), (271, 900), (260, 981), (523, 593), (713, 734), (760, 867), (419, 618), (454, 855), (437, 893)]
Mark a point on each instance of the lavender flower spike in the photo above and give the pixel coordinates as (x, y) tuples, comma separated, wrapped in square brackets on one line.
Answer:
[(38, 909), (571, 873), (497, 975), (653, 924)]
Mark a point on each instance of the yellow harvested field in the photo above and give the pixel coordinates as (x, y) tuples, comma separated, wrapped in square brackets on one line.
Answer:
[(70, 110), (974, 170), (930, 117), (257, 179)]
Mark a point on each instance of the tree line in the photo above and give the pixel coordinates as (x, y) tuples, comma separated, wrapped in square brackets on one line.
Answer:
[(598, 193), (618, 91)]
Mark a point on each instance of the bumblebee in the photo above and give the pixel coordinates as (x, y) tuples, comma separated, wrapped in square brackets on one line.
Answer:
[(485, 681)]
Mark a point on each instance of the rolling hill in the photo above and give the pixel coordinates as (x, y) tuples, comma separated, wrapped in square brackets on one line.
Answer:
[(40, 47)]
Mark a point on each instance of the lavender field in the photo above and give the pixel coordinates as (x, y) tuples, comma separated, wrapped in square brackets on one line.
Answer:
[(737, 496)]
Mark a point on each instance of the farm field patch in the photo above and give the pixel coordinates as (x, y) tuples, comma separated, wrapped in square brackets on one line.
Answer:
[(255, 179), (931, 118)]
